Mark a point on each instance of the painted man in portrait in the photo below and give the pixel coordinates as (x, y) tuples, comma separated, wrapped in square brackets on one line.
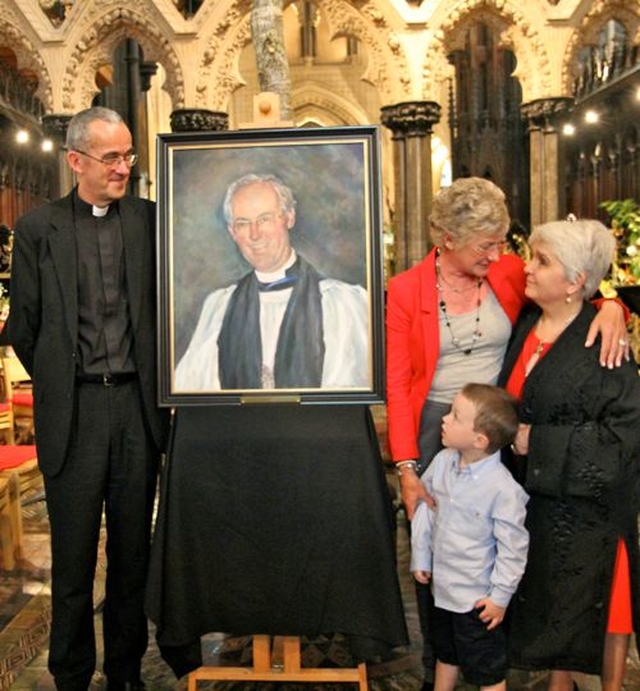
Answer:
[(284, 325)]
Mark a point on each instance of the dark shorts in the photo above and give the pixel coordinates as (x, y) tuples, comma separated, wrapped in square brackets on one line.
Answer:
[(462, 640)]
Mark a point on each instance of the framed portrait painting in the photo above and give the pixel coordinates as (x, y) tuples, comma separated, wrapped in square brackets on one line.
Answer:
[(270, 267)]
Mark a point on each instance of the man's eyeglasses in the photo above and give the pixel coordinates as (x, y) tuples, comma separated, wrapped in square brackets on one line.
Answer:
[(262, 222), (113, 160), (488, 247)]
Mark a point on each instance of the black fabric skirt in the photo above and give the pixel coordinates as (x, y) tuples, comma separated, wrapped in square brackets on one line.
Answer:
[(274, 519)]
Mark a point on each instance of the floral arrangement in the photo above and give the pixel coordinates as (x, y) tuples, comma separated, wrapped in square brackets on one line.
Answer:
[(624, 217)]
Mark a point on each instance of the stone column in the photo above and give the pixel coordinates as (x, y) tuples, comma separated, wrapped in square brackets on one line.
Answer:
[(198, 120), (547, 187), (412, 126), (55, 127)]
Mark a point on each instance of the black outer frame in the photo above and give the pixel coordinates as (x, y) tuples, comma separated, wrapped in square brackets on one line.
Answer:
[(168, 143)]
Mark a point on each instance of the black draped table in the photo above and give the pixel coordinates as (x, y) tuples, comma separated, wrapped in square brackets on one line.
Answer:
[(273, 519)]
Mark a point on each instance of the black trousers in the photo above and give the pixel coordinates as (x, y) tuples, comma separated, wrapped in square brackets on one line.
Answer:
[(112, 464)]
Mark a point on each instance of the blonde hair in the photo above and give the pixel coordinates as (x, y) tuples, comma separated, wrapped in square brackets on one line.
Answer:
[(584, 247), (470, 207)]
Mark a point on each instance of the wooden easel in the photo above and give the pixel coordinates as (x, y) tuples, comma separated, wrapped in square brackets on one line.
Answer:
[(282, 661)]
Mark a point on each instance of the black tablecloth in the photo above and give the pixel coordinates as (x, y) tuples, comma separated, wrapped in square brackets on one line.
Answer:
[(274, 519)]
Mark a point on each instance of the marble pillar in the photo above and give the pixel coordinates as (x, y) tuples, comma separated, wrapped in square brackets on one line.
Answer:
[(412, 125), (544, 118)]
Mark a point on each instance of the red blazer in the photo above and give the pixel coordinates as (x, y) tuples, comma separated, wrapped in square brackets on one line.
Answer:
[(413, 341)]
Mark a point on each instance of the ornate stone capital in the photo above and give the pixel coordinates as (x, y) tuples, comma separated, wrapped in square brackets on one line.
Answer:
[(198, 120), (411, 118), (55, 126), (544, 113)]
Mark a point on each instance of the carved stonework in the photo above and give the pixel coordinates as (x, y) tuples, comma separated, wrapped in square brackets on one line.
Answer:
[(411, 119), (55, 10), (96, 48), (27, 56), (587, 35), (519, 35), (217, 72), (388, 69), (544, 113), (198, 120), (55, 126)]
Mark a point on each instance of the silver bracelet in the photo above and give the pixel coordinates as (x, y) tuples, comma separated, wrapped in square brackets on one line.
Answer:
[(406, 465)]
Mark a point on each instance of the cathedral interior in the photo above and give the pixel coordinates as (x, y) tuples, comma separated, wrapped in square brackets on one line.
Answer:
[(540, 96)]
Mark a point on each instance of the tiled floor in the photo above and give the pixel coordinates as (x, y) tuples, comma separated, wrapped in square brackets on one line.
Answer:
[(25, 616)]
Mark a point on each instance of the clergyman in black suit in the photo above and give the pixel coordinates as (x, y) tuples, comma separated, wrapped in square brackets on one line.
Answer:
[(83, 323)]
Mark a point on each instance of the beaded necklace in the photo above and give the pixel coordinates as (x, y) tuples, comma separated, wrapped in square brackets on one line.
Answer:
[(443, 306)]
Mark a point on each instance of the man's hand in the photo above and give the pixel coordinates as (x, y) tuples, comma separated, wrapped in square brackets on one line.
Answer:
[(489, 613), (610, 324), (413, 491), (422, 576)]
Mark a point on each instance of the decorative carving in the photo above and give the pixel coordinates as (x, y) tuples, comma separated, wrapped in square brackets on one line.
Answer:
[(388, 69), (234, 33), (544, 113), (587, 35), (412, 118), (198, 120), (516, 32), (27, 56), (96, 48), (56, 10)]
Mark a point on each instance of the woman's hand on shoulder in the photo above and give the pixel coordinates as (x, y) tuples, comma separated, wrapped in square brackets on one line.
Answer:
[(610, 324)]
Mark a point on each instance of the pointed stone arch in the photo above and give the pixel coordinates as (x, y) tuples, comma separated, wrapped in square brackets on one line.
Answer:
[(309, 101), (516, 32), (28, 58), (387, 67), (96, 46), (587, 33)]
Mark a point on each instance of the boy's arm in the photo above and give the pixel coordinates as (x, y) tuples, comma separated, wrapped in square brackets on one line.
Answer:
[(512, 543), (421, 526)]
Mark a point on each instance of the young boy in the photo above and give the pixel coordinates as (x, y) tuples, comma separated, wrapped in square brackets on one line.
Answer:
[(472, 545)]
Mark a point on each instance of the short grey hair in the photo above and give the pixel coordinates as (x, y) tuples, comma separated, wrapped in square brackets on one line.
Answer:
[(78, 136), (285, 195), (469, 208), (584, 246)]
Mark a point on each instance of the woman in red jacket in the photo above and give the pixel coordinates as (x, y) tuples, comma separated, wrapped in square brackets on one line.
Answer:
[(449, 320)]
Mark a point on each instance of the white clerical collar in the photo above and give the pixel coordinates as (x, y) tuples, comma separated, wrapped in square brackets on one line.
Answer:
[(269, 277), (99, 211)]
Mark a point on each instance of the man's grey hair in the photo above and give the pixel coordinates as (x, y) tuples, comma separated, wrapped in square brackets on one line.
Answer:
[(285, 195), (78, 136), (583, 246)]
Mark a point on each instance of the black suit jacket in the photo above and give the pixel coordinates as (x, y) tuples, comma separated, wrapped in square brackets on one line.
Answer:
[(43, 322)]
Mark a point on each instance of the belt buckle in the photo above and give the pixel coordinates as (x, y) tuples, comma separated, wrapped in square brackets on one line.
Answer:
[(107, 379)]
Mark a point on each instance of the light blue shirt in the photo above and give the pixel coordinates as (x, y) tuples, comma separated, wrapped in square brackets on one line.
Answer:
[(474, 542)]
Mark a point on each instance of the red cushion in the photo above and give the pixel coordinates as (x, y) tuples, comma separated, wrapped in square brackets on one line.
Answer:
[(13, 456), (24, 398)]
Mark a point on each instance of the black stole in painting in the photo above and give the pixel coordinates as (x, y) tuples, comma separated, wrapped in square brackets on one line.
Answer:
[(300, 348)]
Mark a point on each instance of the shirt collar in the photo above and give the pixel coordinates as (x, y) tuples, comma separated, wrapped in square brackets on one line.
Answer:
[(272, 276), (475, 469)]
